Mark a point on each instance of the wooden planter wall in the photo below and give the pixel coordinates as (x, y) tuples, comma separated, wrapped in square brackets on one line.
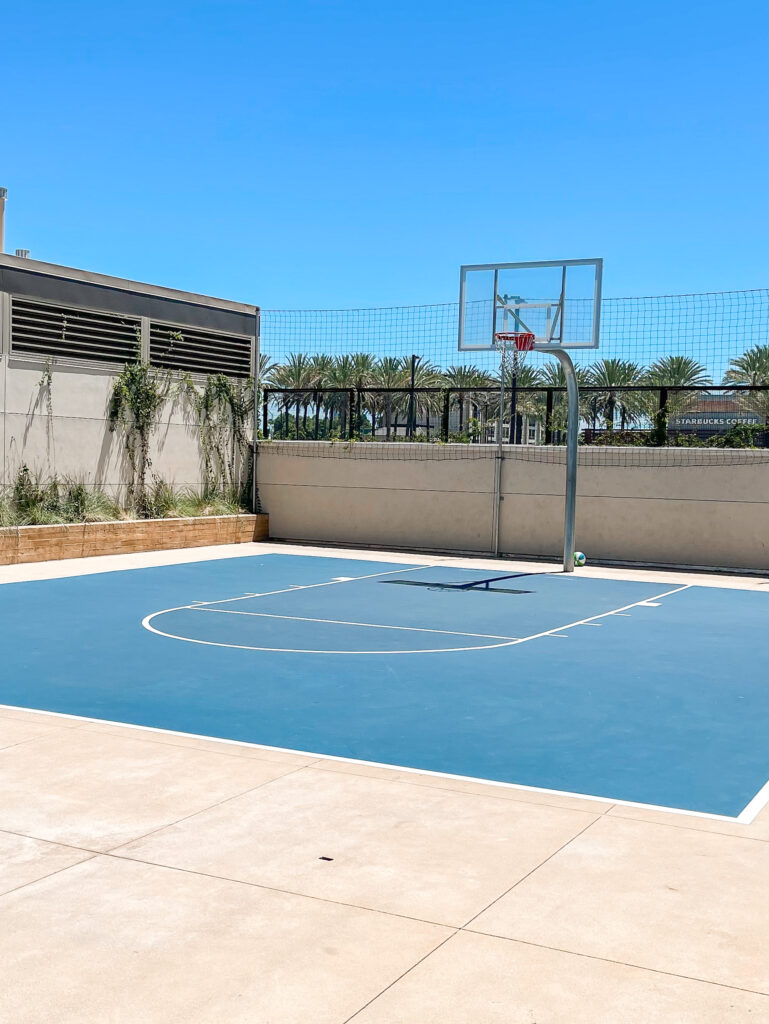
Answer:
[(78, 540)]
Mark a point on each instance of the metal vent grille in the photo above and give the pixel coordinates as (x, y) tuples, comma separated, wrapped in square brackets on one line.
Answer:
[(194, 350), (44, 329)]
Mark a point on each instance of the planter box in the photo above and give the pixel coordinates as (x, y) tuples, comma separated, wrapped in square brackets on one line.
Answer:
[(78, 540)]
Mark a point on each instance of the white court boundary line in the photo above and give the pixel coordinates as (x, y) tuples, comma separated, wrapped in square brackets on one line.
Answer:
[(204, 606), (745, 817)]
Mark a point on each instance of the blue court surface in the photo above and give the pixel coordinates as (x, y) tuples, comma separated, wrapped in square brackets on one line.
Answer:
[(630, 691)]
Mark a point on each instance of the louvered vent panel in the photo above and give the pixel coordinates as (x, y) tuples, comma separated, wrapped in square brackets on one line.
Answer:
[(199, 351), (44, 329)]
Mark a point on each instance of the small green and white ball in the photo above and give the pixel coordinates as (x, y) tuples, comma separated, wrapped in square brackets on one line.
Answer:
[(579, 558)]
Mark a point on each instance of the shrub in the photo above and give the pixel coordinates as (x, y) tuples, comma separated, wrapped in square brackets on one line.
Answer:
[(33, 500)]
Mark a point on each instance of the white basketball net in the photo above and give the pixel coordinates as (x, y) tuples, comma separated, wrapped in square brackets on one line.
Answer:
[(512, 359)]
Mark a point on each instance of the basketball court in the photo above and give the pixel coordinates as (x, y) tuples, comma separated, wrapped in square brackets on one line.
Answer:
[(614, 689)]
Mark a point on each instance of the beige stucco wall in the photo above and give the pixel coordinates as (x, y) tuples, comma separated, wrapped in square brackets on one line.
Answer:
[(416, 504), (74, 439), (652, 506)]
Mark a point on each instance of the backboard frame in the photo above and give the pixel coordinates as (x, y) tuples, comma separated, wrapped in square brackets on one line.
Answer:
[(554, 309)]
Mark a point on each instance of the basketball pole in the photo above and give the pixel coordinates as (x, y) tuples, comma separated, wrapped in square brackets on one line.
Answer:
[(500, 423), (498, 459), (255, 506), (572, 450), (572, 445)]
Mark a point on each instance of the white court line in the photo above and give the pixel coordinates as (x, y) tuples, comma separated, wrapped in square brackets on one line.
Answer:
[(303, 586), (590, 620), (344, 622), (147, 624), (756, 805), (745, 817)]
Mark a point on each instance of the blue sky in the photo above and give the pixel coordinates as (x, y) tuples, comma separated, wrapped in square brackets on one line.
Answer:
[(334, 154)]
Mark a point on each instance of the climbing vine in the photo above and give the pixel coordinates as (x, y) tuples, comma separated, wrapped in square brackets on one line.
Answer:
[(223, 409), (45, 384), (45, 392), (138, 394)]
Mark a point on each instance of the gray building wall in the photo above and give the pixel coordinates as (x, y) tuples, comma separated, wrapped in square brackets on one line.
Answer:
[(67, 432)]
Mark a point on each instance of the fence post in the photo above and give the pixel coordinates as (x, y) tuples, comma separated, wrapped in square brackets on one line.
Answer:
[(265, 414), (351, 414), (662, 418), (549, 417), (446, 415), (513, 435), (415, 360), (316, 403), (358, 412)]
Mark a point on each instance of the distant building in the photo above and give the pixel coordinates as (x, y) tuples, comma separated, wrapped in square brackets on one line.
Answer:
[(713, 414)]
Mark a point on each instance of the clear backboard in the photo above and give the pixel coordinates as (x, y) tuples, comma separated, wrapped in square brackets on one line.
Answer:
[(558, 301)]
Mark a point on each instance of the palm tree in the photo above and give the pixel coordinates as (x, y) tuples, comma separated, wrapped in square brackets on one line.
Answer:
[(262, 376), (389, 372), (610, 376), (264, 365), (752, 367), (464, 380), (345, 374), (321, 365), (363, 365), (426, 375), (296, 373), (526, 405), (674, 371), (552, 375)]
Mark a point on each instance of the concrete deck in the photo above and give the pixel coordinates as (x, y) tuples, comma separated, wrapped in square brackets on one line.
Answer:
[(153, 877)]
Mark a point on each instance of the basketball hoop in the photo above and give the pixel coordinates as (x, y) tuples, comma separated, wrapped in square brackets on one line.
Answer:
[(552, 306), (513, 348), (523, 341)]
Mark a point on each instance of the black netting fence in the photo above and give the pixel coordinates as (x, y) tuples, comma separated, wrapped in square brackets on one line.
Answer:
[(677, 373), (712, 330), (389, 423)]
